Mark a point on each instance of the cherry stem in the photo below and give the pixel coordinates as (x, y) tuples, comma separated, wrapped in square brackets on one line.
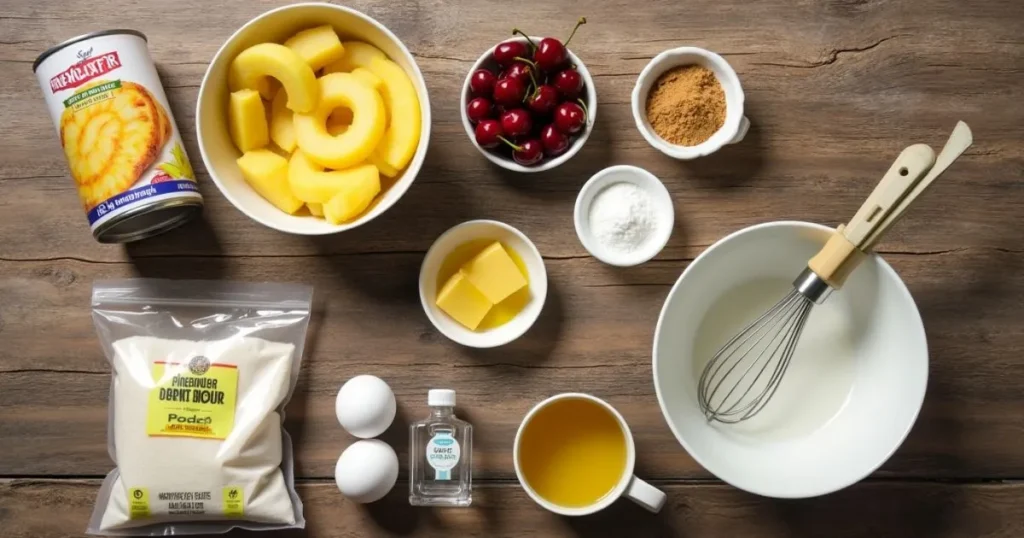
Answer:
[(525, 61), (583, 20), (509, 142), (517, 31), (536, 87), (586, 113)]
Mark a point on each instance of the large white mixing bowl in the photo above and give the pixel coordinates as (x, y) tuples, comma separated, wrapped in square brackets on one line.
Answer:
[(852, 391)]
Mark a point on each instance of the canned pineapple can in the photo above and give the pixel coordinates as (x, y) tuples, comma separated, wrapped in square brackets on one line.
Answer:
[(115, 125)]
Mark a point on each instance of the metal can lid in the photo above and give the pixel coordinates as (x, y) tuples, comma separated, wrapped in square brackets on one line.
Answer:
[(149, 220), (46, 54)]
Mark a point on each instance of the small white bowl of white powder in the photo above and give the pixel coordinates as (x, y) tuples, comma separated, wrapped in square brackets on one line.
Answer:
[(624, 215)]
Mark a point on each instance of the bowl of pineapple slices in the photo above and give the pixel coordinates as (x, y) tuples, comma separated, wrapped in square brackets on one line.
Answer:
[(313, 119)]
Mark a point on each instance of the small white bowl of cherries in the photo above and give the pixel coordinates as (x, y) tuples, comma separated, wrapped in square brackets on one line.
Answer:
[(529, 103)]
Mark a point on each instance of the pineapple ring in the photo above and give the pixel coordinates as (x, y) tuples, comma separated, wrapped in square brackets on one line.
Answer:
[(250, 69), (111, 143), (358, 142)]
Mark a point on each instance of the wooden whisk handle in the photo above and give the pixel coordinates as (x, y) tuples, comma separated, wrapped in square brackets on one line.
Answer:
[(844, 251), (913, 172)]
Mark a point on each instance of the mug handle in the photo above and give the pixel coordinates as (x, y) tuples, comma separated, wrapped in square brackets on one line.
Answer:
[(741, 131), (645, 495)]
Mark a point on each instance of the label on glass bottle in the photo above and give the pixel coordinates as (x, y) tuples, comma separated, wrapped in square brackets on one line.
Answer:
[(443, 455)]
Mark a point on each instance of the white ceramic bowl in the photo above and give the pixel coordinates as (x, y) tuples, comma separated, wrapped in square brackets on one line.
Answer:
[(276, 25), (736, 124), (487, 61), (853, 389), (662, 205), (476, 230)]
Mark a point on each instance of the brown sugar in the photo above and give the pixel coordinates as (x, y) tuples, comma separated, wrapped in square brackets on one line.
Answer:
[(686, 105)]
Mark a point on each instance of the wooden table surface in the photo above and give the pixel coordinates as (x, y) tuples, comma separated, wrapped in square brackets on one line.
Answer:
[(834, 90)]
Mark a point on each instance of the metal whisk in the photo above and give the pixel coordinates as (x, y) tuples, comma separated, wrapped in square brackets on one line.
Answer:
[(743, 376)]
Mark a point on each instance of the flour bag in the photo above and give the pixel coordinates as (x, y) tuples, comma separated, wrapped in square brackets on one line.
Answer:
[(202, 371)]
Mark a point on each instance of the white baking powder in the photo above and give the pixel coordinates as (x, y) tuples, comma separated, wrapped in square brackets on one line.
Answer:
[(622, 217)]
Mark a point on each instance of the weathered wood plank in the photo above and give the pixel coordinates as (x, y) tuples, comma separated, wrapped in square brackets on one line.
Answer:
[(834, 91), (594, 336), (52, 509)]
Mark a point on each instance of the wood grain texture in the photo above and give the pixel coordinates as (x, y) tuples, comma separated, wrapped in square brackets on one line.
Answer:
[(834, 89), (52, 509)]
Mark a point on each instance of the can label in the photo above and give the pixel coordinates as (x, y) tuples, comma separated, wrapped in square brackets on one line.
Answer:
[(115, 126)]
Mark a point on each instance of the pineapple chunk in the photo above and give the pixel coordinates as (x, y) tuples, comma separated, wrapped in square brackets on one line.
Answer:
[(357, 54), (267, 173), (317, 46), (310, 183), (282, 129), (355, 144), (247, 120), (317, 210), (377, 160), (357, 195), (369, 78), (251, 67), (403, 134)]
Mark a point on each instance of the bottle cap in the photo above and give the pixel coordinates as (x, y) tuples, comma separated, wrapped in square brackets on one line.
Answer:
[(441, 398)]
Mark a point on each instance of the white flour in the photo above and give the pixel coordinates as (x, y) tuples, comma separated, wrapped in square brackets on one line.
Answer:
[(622, 217), (172, 475)]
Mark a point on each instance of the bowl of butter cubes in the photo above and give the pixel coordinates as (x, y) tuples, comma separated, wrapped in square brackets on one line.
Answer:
[(483, 283)]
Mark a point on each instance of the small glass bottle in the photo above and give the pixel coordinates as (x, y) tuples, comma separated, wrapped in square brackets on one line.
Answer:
[(441, 455)]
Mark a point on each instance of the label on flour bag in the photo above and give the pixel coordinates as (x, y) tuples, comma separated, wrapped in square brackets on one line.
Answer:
[(443, 454), (192, 399)]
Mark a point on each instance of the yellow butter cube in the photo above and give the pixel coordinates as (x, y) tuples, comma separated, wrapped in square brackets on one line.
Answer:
[(494, 273), (461, 300), (247, 120), (317, 46), (267, 173)]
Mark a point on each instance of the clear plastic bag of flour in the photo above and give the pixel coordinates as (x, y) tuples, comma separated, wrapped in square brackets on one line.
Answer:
[(202, 371)]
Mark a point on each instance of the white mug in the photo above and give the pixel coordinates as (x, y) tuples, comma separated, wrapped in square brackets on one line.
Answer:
[(629, 485)]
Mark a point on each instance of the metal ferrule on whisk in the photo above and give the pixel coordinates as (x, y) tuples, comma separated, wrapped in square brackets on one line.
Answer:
[(812, 286)]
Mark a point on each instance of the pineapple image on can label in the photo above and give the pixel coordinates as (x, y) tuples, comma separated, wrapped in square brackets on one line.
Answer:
[(123, 150)]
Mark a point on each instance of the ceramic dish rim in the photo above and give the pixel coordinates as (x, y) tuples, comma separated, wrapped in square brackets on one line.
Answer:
[(758, 489)]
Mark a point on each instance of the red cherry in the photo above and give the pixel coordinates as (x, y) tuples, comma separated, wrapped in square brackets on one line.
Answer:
[(569, 83), (509, 92), (570, 117), (488, 133), (551, 53), (479, 109), (481, 82), (527, 153), (518, 70), (544, 100), (555, 141), (160, 178), (516, 122), (506, 52)]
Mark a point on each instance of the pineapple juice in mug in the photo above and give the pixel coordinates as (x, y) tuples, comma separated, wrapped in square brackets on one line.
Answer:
[(574, 455)]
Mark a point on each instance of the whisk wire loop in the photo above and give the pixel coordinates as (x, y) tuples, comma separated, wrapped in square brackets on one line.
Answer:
[(771, 340)]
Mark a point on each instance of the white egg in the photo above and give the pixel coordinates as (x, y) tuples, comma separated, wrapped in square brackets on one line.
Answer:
[(366, 470), (365, 406)]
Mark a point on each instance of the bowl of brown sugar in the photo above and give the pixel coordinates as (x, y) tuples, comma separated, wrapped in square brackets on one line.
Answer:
[(688, 103)]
